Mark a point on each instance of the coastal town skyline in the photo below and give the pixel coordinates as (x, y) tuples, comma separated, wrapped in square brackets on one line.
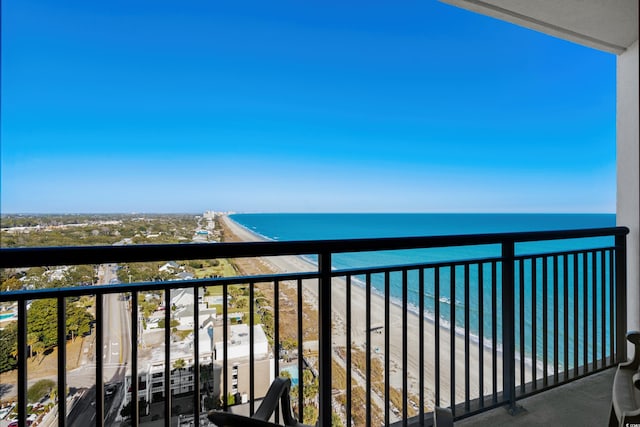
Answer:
[(288, 107)]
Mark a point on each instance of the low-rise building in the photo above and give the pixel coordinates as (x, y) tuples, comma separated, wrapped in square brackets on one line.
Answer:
[(151, 375)]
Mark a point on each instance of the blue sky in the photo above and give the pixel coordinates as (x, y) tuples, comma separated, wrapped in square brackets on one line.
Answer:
[(298, 106)]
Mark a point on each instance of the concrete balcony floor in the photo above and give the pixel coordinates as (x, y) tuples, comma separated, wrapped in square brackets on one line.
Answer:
[(584, 402)]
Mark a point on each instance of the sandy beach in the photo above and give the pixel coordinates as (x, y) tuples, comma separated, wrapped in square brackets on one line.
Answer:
[(359, 328)]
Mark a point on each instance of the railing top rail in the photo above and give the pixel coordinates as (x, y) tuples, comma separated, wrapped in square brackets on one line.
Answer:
[(76, 255), (116, 288)]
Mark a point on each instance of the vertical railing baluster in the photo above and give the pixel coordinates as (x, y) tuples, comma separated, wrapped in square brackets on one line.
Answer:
[(348, 355), (545, 321), (594, 311), (621, 297), (612, 325), (521, 320), (22, 363), (452, 338), (576, 320), (467, 344), (99, 362), (565, 323), (196, 356), (301, 351), (324, 333), (225, 346), (534, 323), (436, 329), (252, 350), (405, 347), (494, 330), (387, 363), (481, 333), (556, 297), (585, 313), (167, 356), (603, 311), (421, 345), (276, 339), (508, 324), (368, 348), (135, 410), (62, 361)]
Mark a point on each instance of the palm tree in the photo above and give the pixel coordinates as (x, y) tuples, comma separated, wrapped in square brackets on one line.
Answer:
[(179, 365), (31, 340), (39, 348)]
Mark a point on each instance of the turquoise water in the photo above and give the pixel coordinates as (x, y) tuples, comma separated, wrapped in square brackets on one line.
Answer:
[(293, 371), (348, 226), (283, 227), (6, 316), (286, 227)]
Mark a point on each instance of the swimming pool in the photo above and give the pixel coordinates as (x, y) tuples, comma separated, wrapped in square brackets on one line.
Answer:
[(6, 316), (293, 371)]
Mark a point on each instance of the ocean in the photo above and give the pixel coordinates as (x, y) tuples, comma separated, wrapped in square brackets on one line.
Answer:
[(287, 227)]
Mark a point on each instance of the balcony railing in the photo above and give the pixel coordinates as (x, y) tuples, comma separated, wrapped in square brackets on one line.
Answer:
[(490, 330)]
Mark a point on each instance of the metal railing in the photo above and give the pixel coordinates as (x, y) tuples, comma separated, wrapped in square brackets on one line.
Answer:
[(493, 329)]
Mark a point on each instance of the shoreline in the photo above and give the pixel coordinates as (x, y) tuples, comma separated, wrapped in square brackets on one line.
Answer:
[(293, 263), (250, 235)]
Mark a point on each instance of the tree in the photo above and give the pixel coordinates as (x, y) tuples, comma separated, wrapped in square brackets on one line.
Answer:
[(231, 399), (335, 420), (42, 322), (8, 347), (235, 293), (309, 395), (39, 349), (78, 320), (80, 275), (11, 284), (310, 386), (310, 415), (32, 339), (179, 365), (241, 303)]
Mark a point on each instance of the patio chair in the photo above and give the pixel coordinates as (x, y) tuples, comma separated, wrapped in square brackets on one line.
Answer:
[(625, 396), (278, 391)]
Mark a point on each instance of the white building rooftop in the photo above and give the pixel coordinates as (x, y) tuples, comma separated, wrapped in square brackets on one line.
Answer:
[(239, 339)]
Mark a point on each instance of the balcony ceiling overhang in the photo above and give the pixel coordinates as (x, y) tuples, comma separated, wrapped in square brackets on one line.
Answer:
[(608, 25)]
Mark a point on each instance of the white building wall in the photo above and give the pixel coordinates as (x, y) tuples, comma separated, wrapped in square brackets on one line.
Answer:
[(628, 160)]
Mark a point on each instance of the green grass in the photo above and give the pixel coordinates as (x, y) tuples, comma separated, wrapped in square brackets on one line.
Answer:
[(224, 269), (203, 273)]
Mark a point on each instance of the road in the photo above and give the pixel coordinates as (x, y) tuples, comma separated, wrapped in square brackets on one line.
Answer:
[(116, 354)]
